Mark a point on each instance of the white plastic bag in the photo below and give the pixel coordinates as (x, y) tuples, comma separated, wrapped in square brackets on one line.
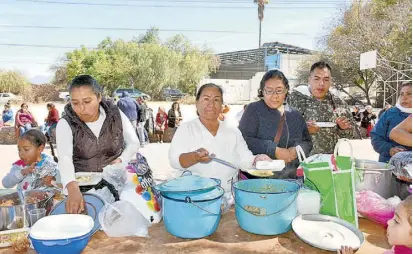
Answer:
[(116, 175), (104, 193), (123, 219)]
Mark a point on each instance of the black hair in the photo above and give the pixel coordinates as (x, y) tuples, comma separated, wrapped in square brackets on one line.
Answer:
[(23, 104), (273, 74), (201, 89), (50, 105), (179, 107), (320, 65), (405, 84), (35, 137), (85, 80)]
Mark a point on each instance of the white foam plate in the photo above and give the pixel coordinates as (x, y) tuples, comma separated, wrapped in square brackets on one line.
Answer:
[(88, 178), (326, 124), (62, 226), (275, 165)]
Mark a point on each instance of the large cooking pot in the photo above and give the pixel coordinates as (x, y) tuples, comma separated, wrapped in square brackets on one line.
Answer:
[(374, 176), (17, 215)]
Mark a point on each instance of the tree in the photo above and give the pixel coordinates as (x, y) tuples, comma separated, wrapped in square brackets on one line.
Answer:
[(379, 25), (12, 82), (144, 63), (261, 6)]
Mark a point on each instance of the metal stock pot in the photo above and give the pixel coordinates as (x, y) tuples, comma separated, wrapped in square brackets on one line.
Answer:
[(17, 215)]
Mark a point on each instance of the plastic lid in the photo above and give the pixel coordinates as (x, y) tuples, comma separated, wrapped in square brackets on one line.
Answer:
[(212, 194), (62, 226), (188, 183), (93, 206)]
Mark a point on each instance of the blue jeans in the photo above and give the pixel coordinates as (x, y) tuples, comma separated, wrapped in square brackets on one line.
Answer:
[(25, 128), (47, 128)]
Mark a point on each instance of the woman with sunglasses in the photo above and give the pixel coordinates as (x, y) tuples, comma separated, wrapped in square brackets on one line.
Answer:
[(269, 127)]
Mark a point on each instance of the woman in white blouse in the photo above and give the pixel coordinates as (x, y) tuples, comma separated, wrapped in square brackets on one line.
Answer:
[(195, 140), (92, 134)]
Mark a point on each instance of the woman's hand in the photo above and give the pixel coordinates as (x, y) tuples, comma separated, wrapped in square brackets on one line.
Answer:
[(201, 155), (74, 202), (117, 161), (395, 150), (283, 154), (262, 157)]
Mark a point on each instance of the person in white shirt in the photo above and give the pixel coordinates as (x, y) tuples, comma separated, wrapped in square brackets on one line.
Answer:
[(195, 140), (92, 134)]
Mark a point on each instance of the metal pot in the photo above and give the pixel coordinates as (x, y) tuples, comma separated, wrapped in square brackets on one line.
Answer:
[(17, 215), (374, 176)]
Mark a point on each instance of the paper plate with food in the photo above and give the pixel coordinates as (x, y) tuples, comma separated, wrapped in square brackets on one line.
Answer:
[(88, 178)]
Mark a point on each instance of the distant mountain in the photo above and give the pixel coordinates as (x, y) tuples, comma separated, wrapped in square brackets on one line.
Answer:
[(41, 79)]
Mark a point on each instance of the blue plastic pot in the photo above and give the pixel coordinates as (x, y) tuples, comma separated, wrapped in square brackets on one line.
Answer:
[(192, 214), (64, 246), (265, 206)]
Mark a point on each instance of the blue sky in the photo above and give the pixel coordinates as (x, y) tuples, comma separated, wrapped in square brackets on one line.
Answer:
[(297, 22)]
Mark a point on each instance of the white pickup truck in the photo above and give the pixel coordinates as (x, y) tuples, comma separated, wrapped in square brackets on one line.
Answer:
[(64, 96)]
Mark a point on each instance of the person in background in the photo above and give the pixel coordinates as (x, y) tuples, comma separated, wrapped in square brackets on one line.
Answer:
[(32, 163), (174, 116), (399, 230), (51, 119), (224, 112), (269, 128), (322, 106), (161, 124), (143, 135), (367, 120), (356, 114), (239, 114), (8, 115), (387, 107), (24, 119), (380, 139), (132, 111), (197, 139)]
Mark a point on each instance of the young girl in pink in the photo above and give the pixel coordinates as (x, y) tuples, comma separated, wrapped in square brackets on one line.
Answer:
[(399, 231)]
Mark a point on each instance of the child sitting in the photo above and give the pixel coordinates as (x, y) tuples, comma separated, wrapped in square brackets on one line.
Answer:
[(34, 170), (399, 231)]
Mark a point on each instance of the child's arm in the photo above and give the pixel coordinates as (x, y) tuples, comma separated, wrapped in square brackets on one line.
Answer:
[(16, 175)]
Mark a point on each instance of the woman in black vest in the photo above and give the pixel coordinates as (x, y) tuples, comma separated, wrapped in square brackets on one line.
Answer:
[(92, 134)]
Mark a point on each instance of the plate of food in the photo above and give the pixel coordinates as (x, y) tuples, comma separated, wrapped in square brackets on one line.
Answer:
[(88, 178), (326, 124)]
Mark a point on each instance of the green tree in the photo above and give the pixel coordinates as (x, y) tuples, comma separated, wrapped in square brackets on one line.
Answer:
[(12, 82)]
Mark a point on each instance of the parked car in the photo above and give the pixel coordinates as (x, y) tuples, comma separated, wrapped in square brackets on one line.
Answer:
[(169, 94), (64, 96), (5, 97), (133, 92)]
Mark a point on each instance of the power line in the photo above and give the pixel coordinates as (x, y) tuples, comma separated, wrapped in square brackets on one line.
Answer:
[(123, 29), (140, 29), (173, 6), (23, 62), (40, 46)]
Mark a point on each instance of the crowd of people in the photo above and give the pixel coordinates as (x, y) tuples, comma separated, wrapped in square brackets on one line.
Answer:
[(94, 133)]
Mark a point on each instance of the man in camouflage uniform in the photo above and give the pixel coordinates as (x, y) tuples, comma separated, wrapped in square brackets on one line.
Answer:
[(319, 105)]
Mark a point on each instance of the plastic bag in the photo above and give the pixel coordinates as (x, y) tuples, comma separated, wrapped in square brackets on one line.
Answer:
[(116, 175), (104, 193), (375, 207), (123, 219)]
